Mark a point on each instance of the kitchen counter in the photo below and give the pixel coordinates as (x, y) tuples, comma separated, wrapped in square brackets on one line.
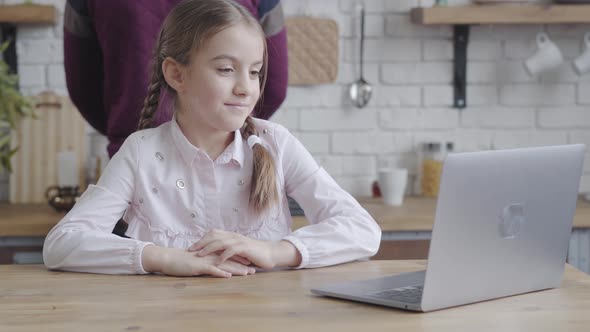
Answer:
[(417, 214), (406, 229), (21, 220)]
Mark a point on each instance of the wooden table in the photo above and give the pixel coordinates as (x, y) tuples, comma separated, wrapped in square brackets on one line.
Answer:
[(34, 299)]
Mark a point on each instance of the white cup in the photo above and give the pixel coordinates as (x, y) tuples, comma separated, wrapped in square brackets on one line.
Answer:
[(392, 184), (547, 57), (582, 62)]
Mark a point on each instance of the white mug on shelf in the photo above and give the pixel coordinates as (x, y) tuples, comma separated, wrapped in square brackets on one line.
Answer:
[(392, 184), (547, 57), (582, 62)]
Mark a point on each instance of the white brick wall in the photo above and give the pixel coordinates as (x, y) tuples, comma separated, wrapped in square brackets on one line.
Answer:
[(397, 96), (329, 119), (484, 49), (32, 76), (410, 68), (497, 117), (564, 117), (515, 139), (583, 94), (315, 142), (417, 73), (370, 143), (538, 94)]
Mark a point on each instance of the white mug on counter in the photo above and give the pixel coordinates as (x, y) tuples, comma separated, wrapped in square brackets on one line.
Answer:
[(392, 184)]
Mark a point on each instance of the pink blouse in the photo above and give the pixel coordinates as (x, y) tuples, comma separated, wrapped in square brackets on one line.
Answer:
[(171, 194)]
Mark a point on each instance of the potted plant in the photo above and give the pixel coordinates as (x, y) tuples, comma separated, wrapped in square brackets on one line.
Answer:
[(13, 107)]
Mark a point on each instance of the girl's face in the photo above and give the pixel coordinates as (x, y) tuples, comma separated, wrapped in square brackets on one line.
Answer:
[(222, 83)]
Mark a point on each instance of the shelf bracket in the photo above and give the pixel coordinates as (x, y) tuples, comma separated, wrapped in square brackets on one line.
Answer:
[(460, 41)]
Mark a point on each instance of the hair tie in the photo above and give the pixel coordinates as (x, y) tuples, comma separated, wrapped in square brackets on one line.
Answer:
[(253, 140)]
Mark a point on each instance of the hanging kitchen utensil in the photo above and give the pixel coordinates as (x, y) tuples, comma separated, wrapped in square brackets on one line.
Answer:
[(361, 90)]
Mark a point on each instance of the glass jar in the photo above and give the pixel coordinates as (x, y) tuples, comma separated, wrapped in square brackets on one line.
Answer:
[(432, 162)]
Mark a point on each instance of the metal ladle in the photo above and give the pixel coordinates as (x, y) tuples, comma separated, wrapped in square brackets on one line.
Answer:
[(361, 90)]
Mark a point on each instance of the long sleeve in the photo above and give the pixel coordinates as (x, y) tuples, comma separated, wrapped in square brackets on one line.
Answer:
[(83, 65), (82, 241), (127, 32), (340, 229), (271, 18)]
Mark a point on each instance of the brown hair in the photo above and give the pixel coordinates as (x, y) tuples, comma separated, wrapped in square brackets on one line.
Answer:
[(188, 26)]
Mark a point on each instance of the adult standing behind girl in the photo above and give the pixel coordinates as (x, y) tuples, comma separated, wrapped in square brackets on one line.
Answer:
[(206, 193), (107, 52)]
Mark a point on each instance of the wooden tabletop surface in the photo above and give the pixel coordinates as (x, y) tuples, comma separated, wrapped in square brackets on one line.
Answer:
[(416, 214), (34, 299)]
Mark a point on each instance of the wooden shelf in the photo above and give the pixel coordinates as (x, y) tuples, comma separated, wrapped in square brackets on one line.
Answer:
[(502, 14), (28, 14)]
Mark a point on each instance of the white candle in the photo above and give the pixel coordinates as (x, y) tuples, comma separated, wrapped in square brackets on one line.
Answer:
[(67, 169)]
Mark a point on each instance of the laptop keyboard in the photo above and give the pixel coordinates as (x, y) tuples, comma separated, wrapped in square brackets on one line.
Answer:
[(409, 294)]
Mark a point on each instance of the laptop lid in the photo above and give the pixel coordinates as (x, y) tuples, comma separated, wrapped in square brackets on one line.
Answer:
[(503, 224)]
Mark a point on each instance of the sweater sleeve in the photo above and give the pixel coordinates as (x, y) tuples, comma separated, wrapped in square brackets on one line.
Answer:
[(83, 241), (270, 13), (83, 65)]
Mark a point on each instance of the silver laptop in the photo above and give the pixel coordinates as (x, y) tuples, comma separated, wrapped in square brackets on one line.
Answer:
[(502, 227)]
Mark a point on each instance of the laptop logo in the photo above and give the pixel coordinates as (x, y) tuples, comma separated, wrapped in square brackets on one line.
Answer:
[(511, 221)]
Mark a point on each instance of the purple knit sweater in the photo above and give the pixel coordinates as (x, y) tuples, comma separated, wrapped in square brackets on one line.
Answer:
[(107, 52)]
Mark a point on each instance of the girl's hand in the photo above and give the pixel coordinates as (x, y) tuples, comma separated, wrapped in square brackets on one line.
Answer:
[(181, 263), (264, 254), (230, 245)]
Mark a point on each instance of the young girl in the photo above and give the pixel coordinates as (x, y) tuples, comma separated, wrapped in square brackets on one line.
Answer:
[(206, 193)]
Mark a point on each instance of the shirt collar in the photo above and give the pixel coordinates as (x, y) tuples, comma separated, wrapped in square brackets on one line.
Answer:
[(186, 149), (235, 151)]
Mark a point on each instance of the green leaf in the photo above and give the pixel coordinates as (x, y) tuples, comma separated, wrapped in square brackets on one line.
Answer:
[(4, 46), (5, 163), (13, 108), (4, 141)]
